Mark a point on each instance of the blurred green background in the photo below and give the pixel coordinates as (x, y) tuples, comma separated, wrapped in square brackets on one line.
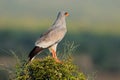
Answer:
[(92, 24)]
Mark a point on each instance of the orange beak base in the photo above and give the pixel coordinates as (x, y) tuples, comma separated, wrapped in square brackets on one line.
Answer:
[(66, 14)]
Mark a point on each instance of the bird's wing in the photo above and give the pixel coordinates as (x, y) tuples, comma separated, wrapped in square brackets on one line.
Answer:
[(54, 35)]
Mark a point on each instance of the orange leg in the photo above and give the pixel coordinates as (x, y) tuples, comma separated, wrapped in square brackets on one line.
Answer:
[(54, 55)]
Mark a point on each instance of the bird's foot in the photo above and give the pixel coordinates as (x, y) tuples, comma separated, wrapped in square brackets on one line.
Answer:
[(57, 60)]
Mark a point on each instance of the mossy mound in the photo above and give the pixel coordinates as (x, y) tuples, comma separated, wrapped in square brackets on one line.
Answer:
[(48, 69)]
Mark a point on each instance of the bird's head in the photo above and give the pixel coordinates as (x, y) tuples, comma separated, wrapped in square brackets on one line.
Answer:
[(63, 14), (61, 18)]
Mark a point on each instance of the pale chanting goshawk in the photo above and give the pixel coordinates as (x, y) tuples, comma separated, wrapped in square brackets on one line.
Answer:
[(51, 38)]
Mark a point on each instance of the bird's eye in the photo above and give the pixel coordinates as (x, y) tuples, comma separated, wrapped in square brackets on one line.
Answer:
[(66, 14)]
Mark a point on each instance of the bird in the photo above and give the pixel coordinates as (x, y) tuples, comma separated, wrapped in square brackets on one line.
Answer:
[(51, 38)]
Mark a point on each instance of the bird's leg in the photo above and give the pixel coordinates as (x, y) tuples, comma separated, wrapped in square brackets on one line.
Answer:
[(54, 55)]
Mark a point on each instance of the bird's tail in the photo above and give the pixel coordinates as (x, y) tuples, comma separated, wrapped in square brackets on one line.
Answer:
[(35, 50)]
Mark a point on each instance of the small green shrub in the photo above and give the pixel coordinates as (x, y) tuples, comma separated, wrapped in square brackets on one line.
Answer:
[(48, 69)]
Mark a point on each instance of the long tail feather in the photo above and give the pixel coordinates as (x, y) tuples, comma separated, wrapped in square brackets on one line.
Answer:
[(35, 50)]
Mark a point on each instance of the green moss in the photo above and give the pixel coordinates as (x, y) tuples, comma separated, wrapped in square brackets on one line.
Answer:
[(48, 69)]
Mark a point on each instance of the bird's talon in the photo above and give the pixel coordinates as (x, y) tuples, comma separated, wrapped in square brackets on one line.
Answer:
[(57, 60)]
